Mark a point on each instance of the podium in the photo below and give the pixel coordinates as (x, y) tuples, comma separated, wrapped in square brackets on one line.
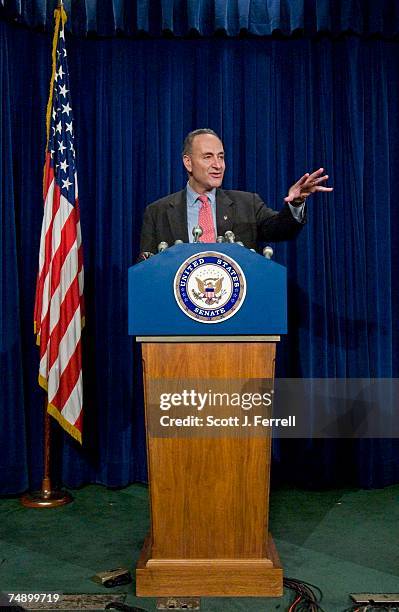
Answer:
[(209, 486)]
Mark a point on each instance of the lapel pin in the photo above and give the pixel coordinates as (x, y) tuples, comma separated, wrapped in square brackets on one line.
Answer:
[(225, 217)]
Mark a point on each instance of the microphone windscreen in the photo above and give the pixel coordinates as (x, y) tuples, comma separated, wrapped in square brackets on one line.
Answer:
[(268, 252), (162, 246)]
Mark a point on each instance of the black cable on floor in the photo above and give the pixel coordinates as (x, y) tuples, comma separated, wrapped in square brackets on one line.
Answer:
[(307, 596)]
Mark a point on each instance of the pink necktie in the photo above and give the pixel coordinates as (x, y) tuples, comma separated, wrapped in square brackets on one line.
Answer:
[(205, 220)]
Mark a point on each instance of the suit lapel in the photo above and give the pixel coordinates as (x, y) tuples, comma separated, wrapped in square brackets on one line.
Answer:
[(177, 216), (224, 212)]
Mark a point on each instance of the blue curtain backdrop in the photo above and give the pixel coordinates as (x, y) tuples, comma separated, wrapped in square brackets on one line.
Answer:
[(283, 107)]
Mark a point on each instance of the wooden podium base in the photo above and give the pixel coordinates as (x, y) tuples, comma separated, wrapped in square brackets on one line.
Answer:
[(209, 495), (209, 577)]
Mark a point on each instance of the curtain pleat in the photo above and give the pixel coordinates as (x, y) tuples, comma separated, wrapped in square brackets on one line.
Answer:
[(13, 431)]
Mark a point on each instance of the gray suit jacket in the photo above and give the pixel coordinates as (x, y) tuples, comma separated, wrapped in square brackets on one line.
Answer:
[(242, 212)]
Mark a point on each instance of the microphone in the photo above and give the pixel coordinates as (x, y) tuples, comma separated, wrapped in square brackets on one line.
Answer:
[(144, 255), (197, 233), (220, 239), (229, 236), (162, 246), (268, 252), (178, 241)]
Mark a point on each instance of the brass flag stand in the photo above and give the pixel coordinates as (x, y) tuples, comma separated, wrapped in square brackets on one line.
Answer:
[(46, 497)]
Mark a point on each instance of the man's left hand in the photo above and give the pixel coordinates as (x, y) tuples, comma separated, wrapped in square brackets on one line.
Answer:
[(308, 184)]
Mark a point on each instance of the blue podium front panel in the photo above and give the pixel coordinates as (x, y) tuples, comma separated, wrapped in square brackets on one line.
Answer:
[(207, 290)]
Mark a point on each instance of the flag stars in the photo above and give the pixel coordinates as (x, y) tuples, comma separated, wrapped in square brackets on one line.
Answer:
[(62, 35), (59, 127), (69, 127), (61, 72), (63, 90), (61, 147), (66, 183), (66, 108), (64, 165)]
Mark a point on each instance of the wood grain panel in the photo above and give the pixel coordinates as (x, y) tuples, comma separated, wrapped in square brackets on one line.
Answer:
[(209, 496), (209, 360), (210, 577)]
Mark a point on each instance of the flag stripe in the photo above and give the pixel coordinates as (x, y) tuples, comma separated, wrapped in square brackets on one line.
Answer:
[(69, 307), (42, 259), (68, 356), (71, 410), (65, 372), (59, 316), (63, 269)]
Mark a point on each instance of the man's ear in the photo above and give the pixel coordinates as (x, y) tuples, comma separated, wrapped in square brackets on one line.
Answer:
[(187, 162)]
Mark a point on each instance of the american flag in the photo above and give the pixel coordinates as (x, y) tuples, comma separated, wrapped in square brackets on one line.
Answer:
[(59, 291)]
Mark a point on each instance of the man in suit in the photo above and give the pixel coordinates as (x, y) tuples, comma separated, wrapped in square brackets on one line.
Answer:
[(203, 203)]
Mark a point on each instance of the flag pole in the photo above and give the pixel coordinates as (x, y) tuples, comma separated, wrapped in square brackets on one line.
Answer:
[(48, 497)]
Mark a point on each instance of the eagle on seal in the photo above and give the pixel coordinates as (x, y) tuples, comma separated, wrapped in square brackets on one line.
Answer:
[(209, 289)]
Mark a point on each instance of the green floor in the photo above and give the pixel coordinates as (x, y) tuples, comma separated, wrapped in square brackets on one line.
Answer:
[(343, 541)]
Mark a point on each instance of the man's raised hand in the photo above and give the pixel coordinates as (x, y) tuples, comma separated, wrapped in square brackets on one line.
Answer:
[(307, 184)]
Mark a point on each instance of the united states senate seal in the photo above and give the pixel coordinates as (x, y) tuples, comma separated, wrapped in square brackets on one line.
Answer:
[(210, 287)]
